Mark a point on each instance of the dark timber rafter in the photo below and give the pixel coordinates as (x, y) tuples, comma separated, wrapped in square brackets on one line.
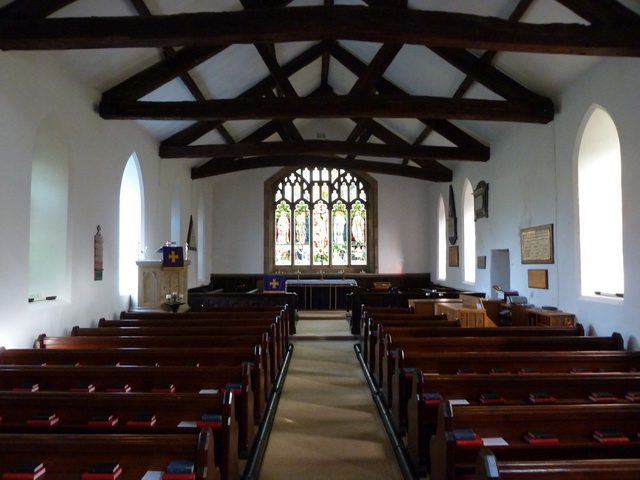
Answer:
[(275, 25), (378, 106), (613, 30)]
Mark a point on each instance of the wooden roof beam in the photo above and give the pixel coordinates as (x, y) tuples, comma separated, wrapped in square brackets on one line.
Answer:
[(227, 166), (375, 106), (324, 147), (276, 25)]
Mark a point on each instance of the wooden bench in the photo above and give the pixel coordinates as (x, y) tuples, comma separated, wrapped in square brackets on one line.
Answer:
[(369, 333), (143, 379), (399, 331), (203, 357), (387, 343), (228, 312), (396, 393), (197, 320), (213, 301), (489, 468), (83, 413), (503, 427), (511, 389), (277, 348), (98, 342), (68, 456)]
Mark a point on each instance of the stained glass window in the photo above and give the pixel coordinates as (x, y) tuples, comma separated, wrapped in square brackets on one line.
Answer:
[(320, 219)]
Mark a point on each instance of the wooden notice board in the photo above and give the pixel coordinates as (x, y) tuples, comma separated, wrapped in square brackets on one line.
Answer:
[(538, 279), (536, 244)]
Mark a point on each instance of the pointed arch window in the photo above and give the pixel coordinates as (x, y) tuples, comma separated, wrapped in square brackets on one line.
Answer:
[(130, 227), (600, 207), (320, 218)]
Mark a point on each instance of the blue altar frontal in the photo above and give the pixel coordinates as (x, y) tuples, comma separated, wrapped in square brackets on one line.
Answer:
[(320, 294)]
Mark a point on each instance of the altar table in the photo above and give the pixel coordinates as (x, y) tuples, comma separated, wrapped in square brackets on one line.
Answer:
[(321, 294)]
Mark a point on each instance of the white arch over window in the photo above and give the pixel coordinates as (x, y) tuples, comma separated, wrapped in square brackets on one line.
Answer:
[(469, 233), (131, 244), (49, 212), (442, 240), (600, 205)]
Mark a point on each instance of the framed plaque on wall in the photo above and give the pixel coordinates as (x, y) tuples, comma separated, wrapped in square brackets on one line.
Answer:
[(536, 244)]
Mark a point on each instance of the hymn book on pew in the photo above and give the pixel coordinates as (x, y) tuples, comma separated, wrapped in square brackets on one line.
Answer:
[(602, 397), (467, 437), (164, 388), (499, 371), (491, 399), (103, 471), (25, 471), (143, 420), (540, 437), (43, 420), (27, 387), (179, 470), (83, 387), (610, 436), (119, 387), (212, 420), (541, 397), (633, 396), (431, 398), (103, 420)]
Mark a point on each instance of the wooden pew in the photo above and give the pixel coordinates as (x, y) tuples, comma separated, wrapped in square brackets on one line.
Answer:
[(387, 344), (368, 312), (404, 365), (369, 331), (143, 379), (565, 388), (502, 427), (277, 348), (489, 468), (203, 357), (78, 413), (198, 320), (68, 456), (407, 330), (396, 384), (237, 312), (98, 342)]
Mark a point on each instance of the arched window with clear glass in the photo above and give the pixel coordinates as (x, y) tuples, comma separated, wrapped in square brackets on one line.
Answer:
[(320, 218)]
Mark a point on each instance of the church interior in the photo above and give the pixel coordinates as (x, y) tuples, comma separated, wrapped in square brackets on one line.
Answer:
[(400, 149)]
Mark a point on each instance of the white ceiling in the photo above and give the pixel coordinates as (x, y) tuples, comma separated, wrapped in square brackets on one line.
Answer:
[(416, 69)]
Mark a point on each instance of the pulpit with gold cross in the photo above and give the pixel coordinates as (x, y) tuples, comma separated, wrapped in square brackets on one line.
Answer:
[(156, 281)]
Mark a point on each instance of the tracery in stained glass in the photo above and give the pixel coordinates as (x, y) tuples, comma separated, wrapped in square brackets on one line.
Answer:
[(358, 234), (340, 246), (320, 234), (303, 239), (320, 219), (283, 234)]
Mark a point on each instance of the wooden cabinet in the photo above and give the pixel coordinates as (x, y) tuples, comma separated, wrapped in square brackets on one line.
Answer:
[(469, 310), (551, 318)]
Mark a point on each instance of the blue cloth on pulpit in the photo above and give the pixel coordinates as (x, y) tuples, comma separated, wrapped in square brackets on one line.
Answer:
[(172, 258)]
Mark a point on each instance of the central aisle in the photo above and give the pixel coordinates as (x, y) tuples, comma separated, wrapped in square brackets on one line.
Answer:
[(327, 425)]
